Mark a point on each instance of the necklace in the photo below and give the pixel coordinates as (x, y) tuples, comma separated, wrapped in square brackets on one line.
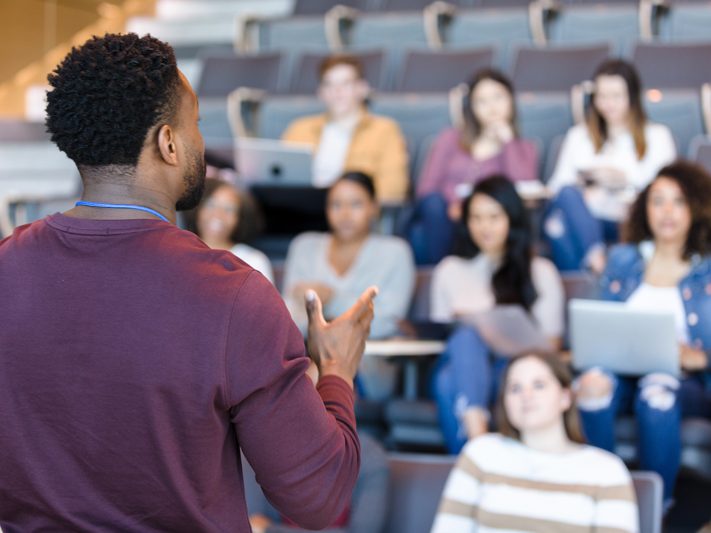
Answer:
[(123, 206)]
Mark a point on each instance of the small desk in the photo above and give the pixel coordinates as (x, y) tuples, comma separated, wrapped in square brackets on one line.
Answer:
[(408, 350)]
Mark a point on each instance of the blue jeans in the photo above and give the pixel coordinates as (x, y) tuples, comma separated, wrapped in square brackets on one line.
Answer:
[(658, 426), (430, 231), (571, 230), (466, 376)]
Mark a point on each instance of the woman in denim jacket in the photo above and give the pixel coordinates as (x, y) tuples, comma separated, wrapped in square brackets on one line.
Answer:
[(667, 266)]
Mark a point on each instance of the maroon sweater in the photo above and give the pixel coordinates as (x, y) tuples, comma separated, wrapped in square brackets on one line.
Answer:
[(134, 361)]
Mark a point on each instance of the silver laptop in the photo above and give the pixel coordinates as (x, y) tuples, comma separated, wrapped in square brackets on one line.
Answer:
[(273, 162), (623, 340)]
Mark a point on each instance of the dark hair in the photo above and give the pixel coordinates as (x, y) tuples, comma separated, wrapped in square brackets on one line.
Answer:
[(571, 418), (471, 128), (512, 283), (107, 95), (695, 183), (596, 123), (359, 178), (250, 221), (341, 59)]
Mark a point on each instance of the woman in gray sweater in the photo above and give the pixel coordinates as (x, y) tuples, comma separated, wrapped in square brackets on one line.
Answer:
[(340, 264)]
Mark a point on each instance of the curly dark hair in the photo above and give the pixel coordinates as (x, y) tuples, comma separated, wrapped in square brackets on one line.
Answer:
[(107, 95), (695, 183), (512, 282)]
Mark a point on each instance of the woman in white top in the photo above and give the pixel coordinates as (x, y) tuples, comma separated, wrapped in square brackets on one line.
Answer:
[(664, 266), (601, 167), (495, 266), (225, 218), (341, 264), (536, 475)]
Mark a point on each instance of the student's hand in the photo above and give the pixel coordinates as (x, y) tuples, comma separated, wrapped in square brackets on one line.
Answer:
[(337, 346), (259, 523), (501, 132), (692, 359), (323, 291)]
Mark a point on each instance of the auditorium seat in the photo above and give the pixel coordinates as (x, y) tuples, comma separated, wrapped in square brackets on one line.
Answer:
[(304, 79), (320, 7), (503, 28), (438, 71), (543, 116), (393, 32), (418, 115), (673, 66), (416, 485), (276, 113), (556, 69), (680, 111), (593, 23), (649, 488), (224, 72), (700, 151), (684, 21)]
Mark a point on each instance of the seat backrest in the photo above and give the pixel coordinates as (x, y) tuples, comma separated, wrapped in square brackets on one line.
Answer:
[(685, 21), (416, 485), (680, 111), (418, 115), (420, 305), (222, 73), (700, 151), (596, 23), (504, 29), (17, 130), (544, 116), (305, 74), (439, 71), (648, 488), (276, 113), (320, 7), (556, 69), (673, 66)]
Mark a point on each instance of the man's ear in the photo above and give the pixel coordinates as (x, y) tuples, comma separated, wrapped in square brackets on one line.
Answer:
[(167, 145)]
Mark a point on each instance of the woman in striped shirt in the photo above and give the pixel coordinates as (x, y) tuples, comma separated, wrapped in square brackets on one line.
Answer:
[(537, 475)]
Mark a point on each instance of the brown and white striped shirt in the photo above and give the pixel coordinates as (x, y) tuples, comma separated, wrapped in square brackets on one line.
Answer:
[(500, 485)]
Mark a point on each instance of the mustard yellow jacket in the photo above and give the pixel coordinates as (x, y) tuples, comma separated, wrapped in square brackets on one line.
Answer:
[(377, 148)]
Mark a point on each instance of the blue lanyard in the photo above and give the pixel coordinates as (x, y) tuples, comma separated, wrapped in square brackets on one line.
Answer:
[(123, 206)]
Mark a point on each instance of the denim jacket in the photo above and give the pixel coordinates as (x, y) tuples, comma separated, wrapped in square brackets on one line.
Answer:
[(625, 272)]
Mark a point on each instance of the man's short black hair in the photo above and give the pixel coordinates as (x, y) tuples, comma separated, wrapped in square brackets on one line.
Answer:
[(107, 94)]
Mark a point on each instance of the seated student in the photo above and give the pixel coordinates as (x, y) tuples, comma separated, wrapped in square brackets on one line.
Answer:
[(486, 143), (536, 475), (347, 136), (665, 265), (494, 265), (337, 264), (369, 504), (225, 219), (614, 154)]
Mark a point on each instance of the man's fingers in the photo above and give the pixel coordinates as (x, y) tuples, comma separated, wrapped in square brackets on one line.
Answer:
[(363, 305), (314, 308)]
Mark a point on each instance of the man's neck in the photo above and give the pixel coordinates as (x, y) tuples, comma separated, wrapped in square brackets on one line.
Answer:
[(347, 120), (123, 193)]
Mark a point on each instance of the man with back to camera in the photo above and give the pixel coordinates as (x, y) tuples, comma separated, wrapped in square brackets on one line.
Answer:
[(134, 361)]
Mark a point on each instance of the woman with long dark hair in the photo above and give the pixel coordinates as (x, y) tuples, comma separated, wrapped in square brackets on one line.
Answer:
[(537, 475), (665, 265), (494, 266), (486, 143), (602, 165)]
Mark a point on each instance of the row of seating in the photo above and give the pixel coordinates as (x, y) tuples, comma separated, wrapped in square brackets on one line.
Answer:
[(661, 66), (417, 482), (439, 25), (544, 117)]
